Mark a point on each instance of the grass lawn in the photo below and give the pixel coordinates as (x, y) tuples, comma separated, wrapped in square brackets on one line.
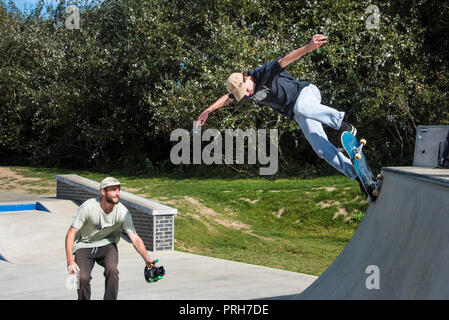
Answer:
[(292, 224)]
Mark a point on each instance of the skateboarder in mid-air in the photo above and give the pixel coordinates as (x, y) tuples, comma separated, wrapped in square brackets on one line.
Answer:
[(271, 85)]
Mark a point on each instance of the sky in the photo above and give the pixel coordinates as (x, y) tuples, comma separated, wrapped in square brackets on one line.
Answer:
[(22, 4), (27, 4)]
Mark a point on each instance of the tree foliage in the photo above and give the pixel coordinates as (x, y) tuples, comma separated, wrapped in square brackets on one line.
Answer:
[(109, 94)]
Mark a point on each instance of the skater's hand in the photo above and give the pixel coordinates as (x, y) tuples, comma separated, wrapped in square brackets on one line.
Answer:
[(317, 41), (202, 118), (72, 267)]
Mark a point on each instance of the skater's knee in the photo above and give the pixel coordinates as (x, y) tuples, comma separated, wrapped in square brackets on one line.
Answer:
[(320, 153), (321, 146)]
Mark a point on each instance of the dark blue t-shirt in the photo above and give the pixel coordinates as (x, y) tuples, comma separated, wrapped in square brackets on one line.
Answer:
[(275, 87)]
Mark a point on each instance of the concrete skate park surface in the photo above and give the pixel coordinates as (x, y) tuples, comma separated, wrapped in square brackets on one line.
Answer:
[(399, 251), (33, 265)]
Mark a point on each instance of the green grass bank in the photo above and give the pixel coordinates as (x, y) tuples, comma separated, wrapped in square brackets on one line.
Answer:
[(293, 224)]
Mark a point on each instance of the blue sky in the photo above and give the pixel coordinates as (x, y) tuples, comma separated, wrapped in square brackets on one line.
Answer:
[(27, 4)]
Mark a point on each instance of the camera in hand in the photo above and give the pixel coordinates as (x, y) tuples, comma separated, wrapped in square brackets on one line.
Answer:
[(154, 273)]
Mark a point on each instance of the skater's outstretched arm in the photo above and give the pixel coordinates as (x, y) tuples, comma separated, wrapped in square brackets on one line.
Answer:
[(317, 41), (221, 102)]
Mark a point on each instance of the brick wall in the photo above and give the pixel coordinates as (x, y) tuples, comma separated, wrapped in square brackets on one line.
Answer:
[(153, 222), (77, 194), (144, 227), (164, 231)]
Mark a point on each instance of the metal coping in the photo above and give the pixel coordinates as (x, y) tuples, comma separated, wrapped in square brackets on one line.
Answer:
[(430, 175)]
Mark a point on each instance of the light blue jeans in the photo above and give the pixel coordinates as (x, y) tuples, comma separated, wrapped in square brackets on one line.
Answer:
[(310, 115)]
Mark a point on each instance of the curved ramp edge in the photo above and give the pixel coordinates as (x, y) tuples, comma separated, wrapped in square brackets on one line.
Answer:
[(401, 246)]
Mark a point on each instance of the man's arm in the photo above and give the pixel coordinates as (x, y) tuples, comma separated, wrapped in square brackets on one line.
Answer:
[(221, 102), (317, 41), (140, 248), (72, 267)]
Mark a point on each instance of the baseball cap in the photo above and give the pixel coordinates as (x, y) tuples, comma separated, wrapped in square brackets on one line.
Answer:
[(109, 182), (235, 85)]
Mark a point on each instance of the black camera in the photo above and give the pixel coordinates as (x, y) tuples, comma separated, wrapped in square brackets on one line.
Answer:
[(154, 273)]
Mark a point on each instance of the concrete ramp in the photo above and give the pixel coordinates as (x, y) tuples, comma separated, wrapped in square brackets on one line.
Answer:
[(401, 248), (35, 235)]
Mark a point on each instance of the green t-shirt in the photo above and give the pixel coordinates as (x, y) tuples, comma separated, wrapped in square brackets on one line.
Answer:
[(97, 228)]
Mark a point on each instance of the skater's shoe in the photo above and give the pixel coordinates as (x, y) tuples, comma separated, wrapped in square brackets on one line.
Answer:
[(348, 127), (361, 187), (369, 195)]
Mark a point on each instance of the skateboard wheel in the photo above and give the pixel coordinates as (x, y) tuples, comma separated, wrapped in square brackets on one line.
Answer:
[(363, 141), (375, 193), (358, 156), (379, 177)]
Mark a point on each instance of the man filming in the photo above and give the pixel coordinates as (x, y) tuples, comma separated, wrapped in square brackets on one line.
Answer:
[(93, 236)]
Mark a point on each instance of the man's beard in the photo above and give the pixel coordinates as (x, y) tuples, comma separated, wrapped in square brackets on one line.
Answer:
[(111, 200)]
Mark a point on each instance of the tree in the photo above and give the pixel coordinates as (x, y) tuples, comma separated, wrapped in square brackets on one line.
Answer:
[(109, 94)]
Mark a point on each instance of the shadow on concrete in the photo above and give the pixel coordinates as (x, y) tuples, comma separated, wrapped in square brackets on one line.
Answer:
[(286, 297)]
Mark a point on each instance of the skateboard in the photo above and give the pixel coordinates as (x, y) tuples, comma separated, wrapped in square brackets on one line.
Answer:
[(354, 149)]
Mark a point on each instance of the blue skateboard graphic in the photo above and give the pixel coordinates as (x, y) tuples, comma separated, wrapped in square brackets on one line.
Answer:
[(354, 150)]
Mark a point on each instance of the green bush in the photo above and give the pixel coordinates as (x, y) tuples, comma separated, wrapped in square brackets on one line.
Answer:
[(109, 95)]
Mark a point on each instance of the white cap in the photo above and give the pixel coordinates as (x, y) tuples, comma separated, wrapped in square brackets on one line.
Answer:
[(109, 182)]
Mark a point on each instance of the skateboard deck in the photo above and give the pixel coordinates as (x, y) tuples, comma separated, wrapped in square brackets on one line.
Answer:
[(354, 150)]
